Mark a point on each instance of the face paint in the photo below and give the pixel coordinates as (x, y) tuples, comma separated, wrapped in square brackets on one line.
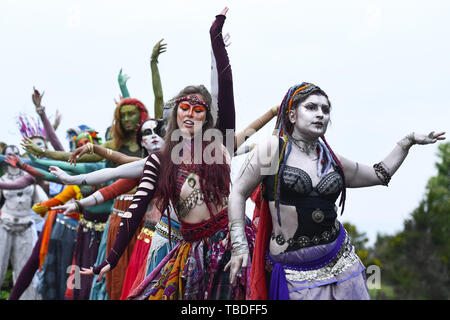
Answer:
[(311, 117), (151, 141), (130, 118), (82, 142), (39, 142), (13, 150), (190, 117)]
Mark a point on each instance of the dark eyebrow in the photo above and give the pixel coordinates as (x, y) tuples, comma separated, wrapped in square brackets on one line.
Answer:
[(316, 105)]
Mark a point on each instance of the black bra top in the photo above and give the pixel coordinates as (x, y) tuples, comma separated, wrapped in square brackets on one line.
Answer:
[(296, 180), (296, 183)]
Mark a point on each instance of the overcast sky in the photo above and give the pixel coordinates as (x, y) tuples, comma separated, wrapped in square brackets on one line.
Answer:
[(384, 64)]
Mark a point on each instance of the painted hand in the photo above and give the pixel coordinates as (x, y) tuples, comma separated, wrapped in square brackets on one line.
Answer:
[(224, 11), (432, 137), (90, 271), (158, 49), (237, 265), (40, 209), (37, 98), (62, 175), (67, 208), (14, 160), (123, 78), (57, 121), (78, 153), (31, 147)]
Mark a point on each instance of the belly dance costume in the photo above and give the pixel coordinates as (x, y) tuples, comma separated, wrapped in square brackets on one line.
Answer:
[(193, 270), (319, 262)]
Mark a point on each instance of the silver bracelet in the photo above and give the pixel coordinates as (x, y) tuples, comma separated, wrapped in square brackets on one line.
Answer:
[(239, 244)]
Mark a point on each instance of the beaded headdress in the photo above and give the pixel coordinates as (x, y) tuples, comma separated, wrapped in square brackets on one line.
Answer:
[(30, 127), (193, 100)]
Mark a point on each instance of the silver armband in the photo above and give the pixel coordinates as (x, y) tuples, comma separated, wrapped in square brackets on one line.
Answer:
[(239, 245), (407, 142)]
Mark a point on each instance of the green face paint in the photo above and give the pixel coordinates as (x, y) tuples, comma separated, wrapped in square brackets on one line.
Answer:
[(130, 117)]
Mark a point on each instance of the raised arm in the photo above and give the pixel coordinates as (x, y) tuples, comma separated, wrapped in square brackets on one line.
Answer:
[(156, 79), (128, 170), (225, 98), (122, 79), (133, 216), (253, 127), (215, 80), (49, 129), (360, 175)]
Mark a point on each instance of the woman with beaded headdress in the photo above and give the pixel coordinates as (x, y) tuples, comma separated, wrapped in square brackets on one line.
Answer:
[(301, 248), (197, 192), (53, 252)]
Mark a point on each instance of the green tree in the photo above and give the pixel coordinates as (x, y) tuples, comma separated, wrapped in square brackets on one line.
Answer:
[(418, 256)]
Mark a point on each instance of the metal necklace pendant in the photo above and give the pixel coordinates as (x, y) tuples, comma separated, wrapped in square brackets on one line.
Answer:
[(191, 180)]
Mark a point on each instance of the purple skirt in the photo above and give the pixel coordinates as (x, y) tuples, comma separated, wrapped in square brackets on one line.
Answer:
[(331, 271)]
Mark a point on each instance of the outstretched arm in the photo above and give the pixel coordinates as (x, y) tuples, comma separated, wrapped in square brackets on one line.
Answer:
[(49, 129), (129, 170), (31, 147), (122, 79), (28, 161), (85, 167), (253, 127), (107, 193), (133, 216), (106, 153), (359, 175), (225, 100), (19, 183), (156, 79), (34, 171)]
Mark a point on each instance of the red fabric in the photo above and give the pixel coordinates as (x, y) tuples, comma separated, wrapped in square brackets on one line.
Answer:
[(258, 287), (119, 187), (137, 261), (197, 231), (140, 276), (46, 232)]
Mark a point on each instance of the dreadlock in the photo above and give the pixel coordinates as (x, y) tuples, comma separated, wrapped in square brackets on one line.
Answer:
[(283, 129)]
